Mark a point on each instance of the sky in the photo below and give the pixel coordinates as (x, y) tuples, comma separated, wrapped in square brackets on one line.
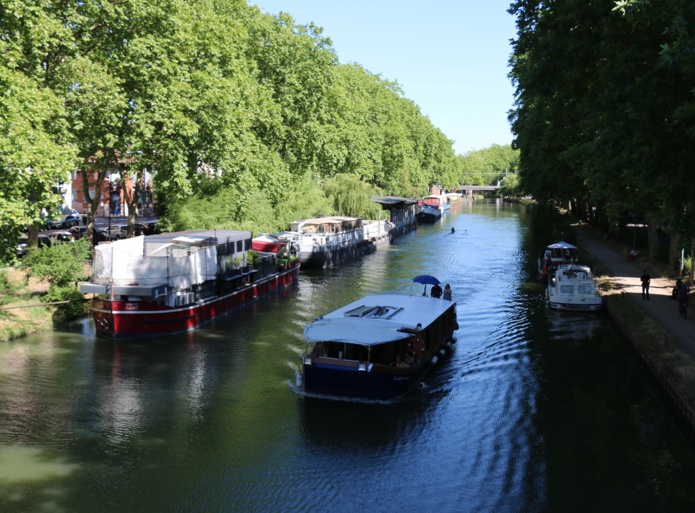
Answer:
[(450, 57)]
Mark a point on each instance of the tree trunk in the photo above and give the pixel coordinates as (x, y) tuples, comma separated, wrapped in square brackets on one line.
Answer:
[(674, 251), (131, 196), (652, 239), (93, 202)]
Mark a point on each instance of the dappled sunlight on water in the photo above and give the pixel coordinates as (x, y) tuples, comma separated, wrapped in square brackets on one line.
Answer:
[(22, 464)]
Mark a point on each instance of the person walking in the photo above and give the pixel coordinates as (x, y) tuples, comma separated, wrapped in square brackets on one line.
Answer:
[(646, 280)]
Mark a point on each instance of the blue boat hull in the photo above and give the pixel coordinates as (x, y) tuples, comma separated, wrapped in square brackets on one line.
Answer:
[(336, 380)]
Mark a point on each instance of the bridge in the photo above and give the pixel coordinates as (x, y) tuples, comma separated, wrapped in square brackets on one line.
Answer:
[(469, 190)]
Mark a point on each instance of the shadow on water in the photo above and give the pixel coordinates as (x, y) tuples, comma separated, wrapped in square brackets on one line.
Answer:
[(533, 411), (331, 424)]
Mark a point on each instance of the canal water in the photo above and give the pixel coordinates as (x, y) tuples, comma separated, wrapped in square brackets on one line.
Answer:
[(533, 412)]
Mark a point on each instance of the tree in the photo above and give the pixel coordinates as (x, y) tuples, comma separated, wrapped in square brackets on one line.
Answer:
[(351, 196), (488, 166), (35, 152)]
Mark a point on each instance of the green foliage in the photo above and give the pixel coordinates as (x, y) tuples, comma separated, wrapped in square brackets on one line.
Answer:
[(60, 264), (488, 166), (217, 210), (253, 258), (306, 199), (75, 307), (604, 107), (351, 197), (242, 117), (510, 186), (6, 288), (687, 264)]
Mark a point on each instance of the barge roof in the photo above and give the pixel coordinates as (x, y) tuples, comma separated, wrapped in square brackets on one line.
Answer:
[(377, 319)]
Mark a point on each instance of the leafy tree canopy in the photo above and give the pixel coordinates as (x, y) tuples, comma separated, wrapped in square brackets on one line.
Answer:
[(489, 165), (226, 107)]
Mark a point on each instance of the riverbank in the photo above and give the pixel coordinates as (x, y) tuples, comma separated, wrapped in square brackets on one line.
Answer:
[(21, 310), (664, 341)]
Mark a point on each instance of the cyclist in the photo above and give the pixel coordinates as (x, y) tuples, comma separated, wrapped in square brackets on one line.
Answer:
[(683, 299)]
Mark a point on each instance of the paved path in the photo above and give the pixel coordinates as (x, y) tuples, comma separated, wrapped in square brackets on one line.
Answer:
[(626, 276)]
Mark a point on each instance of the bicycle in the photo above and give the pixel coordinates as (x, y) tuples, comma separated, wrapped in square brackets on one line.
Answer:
[(683, 308)]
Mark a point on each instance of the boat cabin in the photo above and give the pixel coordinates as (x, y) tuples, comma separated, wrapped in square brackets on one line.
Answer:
[(378, 347)]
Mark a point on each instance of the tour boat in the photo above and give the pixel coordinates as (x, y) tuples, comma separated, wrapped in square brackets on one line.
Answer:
[(377, 348), (326, 241), (169, 283), (572, 287)]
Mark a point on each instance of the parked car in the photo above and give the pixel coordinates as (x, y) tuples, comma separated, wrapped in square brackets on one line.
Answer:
[(22, 244), (73, 219), (78, 231), (139, 229), (62, 237), (115, 232)]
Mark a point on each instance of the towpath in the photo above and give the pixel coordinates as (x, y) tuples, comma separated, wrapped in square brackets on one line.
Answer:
[(626, 277)]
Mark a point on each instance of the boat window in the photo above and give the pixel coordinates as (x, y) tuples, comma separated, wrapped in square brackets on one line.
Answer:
[(356, 352), (585, 289), (566, 289), (388, 354)]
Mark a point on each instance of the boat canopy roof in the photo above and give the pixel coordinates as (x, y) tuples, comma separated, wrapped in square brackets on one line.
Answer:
[(199, 237), (377, 319), (368, 332), (393, 200), (330, 220), (561, 245)]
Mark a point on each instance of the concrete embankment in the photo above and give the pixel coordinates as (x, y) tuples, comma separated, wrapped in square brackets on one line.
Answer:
[(672, 369), (663, 340)]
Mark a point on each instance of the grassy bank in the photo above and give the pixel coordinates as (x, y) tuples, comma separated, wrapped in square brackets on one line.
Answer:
[(18, 316)]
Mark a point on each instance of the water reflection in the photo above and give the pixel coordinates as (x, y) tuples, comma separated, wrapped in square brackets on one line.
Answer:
[(533, 411), (573, 325)]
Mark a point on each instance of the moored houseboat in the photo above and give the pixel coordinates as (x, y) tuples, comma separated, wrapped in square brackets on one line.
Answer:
[(402, 212), (169, 283), (440, 201), (428, 214), (326, 241), (553, 255), (455, 201), (377, 348), (573, 287)]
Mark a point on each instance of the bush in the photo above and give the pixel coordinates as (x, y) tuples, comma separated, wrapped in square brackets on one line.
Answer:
[(253, 258), (58, 264), (687, 265), (72, 310), (6, 288)]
